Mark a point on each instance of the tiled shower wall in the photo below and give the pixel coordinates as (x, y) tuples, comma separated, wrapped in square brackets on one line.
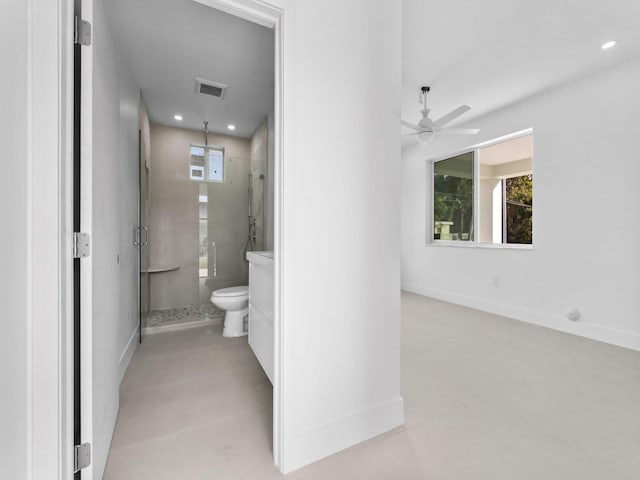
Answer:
[(174, 224)]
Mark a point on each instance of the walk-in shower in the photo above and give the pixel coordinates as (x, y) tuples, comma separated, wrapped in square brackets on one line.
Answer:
[(207, 210)]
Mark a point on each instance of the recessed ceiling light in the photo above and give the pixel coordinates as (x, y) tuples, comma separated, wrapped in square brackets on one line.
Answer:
[(178, 117), (231, 126), (608, 45)]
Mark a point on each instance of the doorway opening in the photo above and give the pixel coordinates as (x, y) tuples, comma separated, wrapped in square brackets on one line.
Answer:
[(205, 168)]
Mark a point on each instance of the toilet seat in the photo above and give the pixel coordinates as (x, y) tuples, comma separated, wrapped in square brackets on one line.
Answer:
[(232, 291)]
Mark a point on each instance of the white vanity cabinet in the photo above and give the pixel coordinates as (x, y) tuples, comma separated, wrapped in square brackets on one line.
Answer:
[(261, 308)]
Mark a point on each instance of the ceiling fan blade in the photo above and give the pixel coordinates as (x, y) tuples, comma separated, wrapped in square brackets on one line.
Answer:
[(411, 126), (451, 116), (459, 131), (411, 134)]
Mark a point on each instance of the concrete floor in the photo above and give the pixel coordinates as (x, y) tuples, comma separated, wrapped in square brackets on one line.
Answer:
[(486, 398)]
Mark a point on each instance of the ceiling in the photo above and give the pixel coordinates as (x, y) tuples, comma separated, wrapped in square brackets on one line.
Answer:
[(491, 53), (487, 54), (512, 150), (168, 43)]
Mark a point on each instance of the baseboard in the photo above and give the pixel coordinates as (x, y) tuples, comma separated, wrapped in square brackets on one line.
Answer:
[(343, 433), (612, 336), (128, 352)]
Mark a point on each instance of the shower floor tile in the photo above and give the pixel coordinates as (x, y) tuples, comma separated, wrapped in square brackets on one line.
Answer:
[(173, 316)]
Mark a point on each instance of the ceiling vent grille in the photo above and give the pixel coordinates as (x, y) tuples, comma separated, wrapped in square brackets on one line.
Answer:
[(214, 89)]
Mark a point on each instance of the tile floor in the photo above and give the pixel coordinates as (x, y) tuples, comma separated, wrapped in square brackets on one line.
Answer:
[(173, 316), (486, 398)]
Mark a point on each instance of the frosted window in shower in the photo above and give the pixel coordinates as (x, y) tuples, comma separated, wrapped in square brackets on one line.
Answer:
[(216, 165), (196, 173), (206, 163), (197, 156)]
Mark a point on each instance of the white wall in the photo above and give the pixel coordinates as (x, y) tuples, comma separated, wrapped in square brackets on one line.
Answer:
[(585, 220), (34, 241), (110, 205), (341, 226), (14, 196)]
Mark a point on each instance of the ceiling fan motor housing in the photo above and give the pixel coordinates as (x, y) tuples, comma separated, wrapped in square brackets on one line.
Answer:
[(426, 128)]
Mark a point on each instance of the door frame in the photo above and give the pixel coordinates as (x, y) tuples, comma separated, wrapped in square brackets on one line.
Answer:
[(49, 159), (271, 14), (50, 37)]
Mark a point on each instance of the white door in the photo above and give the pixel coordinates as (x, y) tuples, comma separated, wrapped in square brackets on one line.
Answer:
[(109, 211)]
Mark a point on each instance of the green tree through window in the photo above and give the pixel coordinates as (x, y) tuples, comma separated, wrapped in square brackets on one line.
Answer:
[(519, 213), (453, 198)]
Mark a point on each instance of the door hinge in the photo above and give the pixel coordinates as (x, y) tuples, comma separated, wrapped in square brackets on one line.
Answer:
[(81, 457), (81, 245), (81, 32)]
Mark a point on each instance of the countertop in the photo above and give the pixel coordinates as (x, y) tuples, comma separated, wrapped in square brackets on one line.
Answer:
[(264, 259)]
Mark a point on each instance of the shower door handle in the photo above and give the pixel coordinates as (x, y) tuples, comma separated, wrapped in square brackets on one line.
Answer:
[(136, 236), (146, 236)]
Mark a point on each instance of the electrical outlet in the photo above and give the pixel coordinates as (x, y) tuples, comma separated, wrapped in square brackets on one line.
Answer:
[(496, 281)]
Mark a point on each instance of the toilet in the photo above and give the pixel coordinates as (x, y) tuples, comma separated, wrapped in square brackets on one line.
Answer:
[(235, 302)]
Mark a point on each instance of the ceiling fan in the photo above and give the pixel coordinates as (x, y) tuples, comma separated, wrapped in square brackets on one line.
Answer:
[(426, 128)]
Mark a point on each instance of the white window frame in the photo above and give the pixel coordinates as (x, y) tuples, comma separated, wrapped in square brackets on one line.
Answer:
[(205, 167), (475, 243)]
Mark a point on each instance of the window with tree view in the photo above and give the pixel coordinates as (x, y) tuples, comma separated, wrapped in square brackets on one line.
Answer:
[(485, 195), (518, 214), (453, 198)]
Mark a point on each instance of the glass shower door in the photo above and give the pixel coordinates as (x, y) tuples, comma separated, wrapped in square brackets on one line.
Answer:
[(224, 228), (143, 237)]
